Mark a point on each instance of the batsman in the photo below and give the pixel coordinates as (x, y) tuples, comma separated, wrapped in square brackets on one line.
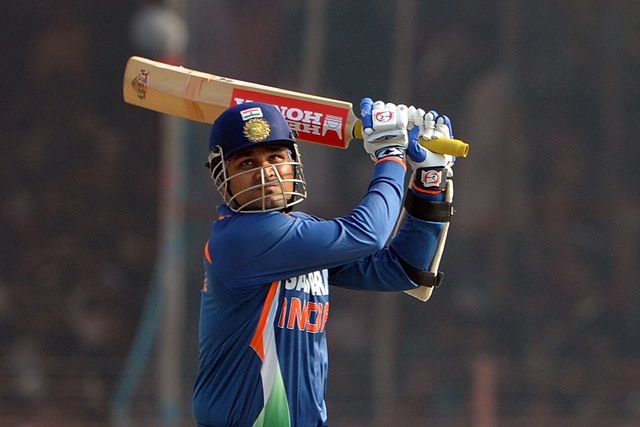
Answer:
[(263, 359)]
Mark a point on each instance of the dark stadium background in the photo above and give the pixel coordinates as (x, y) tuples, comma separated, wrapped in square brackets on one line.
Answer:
[(536, 321)]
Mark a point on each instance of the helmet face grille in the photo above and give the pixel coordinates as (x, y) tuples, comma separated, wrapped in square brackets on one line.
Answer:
[(272, 192), (278, 197)]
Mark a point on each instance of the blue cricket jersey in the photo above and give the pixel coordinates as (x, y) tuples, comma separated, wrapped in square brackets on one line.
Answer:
[(265, 301)]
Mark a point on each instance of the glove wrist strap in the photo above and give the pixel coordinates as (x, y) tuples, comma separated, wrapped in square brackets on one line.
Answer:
[(390, 151), (430, 178)]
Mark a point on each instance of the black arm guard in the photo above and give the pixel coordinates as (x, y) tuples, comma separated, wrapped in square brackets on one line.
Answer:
[(428, 210), (422, 278)]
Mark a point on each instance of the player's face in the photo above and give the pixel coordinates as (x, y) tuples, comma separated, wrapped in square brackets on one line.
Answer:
[(261, 177)]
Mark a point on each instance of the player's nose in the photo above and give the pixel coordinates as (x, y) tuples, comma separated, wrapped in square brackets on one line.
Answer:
[(267, 169)]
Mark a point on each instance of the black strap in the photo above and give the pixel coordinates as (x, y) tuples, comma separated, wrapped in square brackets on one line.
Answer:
[(428, 210), (422, 278)]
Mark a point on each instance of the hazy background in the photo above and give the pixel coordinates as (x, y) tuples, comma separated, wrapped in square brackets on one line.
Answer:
[(101, 236)]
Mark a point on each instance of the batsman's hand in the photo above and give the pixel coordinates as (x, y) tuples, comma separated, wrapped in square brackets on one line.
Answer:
[(384, 129), (431, 170)]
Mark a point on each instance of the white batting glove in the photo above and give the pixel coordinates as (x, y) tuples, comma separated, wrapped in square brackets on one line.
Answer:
[(384, 129), (430, 169)]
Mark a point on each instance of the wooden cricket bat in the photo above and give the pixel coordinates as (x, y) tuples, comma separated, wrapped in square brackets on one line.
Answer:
[(202, 97)]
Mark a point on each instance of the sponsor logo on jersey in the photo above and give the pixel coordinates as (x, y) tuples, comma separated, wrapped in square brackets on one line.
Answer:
[(303, 315), (311, 121), (311, 283), (305, 306)]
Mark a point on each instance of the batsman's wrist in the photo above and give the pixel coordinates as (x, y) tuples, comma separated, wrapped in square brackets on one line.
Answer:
[(390, 151)]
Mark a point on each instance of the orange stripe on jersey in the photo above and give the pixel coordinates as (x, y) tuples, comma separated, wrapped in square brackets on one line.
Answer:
[(207, 254), (257, 342)]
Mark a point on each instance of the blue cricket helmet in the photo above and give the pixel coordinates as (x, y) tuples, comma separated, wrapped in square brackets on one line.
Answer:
[(248, 124)]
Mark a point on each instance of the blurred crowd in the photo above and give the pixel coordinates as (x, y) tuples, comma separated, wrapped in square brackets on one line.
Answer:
[(540, 297), (78, 196)]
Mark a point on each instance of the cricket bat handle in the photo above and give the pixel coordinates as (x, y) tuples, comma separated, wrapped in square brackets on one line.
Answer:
[(450, 146), (453, 147)]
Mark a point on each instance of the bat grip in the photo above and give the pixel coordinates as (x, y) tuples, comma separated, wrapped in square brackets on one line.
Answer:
[(453, 147), (450, 146)]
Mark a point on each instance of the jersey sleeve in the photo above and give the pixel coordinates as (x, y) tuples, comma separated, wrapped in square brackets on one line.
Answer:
[(415, 242), (252, 249)]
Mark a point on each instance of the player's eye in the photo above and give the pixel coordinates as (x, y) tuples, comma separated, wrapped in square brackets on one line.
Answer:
[(280, 155), (277, 158), (244, 163)]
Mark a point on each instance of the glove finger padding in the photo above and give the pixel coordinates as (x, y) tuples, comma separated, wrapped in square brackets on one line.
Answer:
[(415, 152), (431, 170), (436, 126), (388, 122), (416, 119), (384, 128), (430, 126), (443, 127)]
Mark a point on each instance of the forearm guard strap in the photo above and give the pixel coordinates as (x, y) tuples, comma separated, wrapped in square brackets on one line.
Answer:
[(428, 210), (422, 278)]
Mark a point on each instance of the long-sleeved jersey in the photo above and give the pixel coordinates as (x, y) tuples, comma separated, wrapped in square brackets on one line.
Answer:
[(265, 301)]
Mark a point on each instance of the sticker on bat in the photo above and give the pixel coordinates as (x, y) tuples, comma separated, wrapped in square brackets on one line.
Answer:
[(140, 83)]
